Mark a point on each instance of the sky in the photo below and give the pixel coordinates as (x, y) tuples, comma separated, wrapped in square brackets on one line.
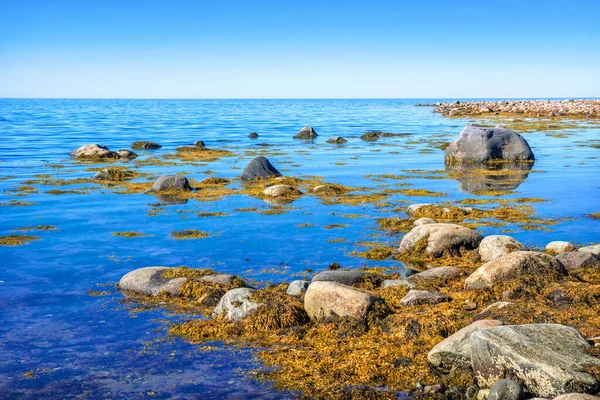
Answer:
[(299, 49)]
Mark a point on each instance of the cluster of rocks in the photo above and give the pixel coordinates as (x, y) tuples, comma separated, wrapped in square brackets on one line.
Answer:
[(95, 152), (533, 108)]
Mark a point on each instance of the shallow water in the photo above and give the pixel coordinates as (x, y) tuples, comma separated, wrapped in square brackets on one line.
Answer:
[(94, 346)]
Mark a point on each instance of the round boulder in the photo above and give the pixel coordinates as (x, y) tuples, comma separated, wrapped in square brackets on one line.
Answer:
[(259, 168), (171, 182), (495, 246), (149, 281), (236, 304), (559, 247), (306, 133), (253, 135), (435, 240), (281, 191), (199, 143), (329, 299), (297, 288), (506, 389), (94, 151)]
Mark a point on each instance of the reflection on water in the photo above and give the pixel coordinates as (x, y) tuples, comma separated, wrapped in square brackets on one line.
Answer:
[(478, 178)]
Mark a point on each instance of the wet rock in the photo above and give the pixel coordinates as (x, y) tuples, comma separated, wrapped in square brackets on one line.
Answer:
[(559, 247), (506, 389), (495, 246), (94, 152), (149, 281), (435, 240), (482, 145), (576, 396), (171, 182), (416, 297), (370, 136), (455, 350), (327, 189), (441, 273), (144, 145), (414, 208), (512, 266), (199, 143), (306, 133), (326, 299), (424, 221), (259, 168), (594, 249), (344, 277), (125, 154), (297, 288), (388, 283), (236, 304), (574, 260), (336, 140), (114, 174), (220, 279), (549, 359), (280, 191), (253, 135)]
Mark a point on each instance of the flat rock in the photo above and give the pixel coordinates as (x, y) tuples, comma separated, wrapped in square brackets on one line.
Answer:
[(344, 277), (595, 249), (455, 350), (125, 154), (306, 133), (495, 246), (576, 396), (236, 304), (424, 221), (549, 359), (149, 280), (514, 265), (416, 297), (297, 288), (506, 389), (574, 260), (326, 299), (219, 279), (259, 168), (94, 151), (559, 247), (144, 145), (388, 283), (442, 273), (336, 140), (435, 240), (281, 190), (171, 182)]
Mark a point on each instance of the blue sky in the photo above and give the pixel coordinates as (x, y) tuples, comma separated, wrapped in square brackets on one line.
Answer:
[(299, 49)]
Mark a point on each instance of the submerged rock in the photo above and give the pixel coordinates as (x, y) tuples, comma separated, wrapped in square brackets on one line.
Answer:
[(415, 297), (306, 133), (144, 145), (549, 359), (370, 136), (281, 191), (236, 304), (496, 246), (326, 299), (480, 145), (253, 135), (435, 240), (259, 168), (559, 247), (199, 143), (336, 140), (94, 152), (171, 182), (441, 273), (297, 288), (149, 281), (574, 260), (344, 277)]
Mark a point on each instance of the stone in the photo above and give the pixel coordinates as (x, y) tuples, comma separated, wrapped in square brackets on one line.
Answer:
[(125, 154), (455, 350), (199, 143), (236, 304), (574, 260), (559, 247), (219, 279), (297, 288), (417, 297), (114, 174), (149, 280), (259, 168), (388, 283), (594, 249), (344, 277), (253, 135), (93, 152), (495, 246), (306, 133), (576, 396), (424, 221), (480, 145), (482, 394), (327, 189), (336, 140), (370, 136), (171, 182), (281, 190), (410, 210), (506, 389), (499, 305), (328, 299), (549, 359), (435, 240), (441, 273), (144, 145), (514, 265)]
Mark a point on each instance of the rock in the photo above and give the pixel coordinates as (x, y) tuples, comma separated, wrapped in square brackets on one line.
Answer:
[(442, 273), (506, 389), (549, 359), (253, 135), (482, 394), (306, 133), (220, 279), (259, 168), (143, 145), (236, 304), (149, 281), (435, 240), (594, 249), (455, 350), (424, 221), (559, 247), (171, 182), (336, 140), (495, 246), (514, 265), (499, 305), (326, 299), (94, 152), (344, 277), (574, 260), (199, 143), (281, 190), (125, 154), (416, 297), (297, 288), (114, 174), (370, 136), (327, 189), (396, 282), (438, 388), (410, 210), (576, 396), (482, 145)]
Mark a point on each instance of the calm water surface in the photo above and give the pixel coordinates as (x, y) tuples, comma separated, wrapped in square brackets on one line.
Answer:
[(91, 347)]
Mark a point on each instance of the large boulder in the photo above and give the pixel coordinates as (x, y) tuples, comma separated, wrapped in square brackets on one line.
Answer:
[(149, 280), (144, 145), (495, 246), (435, 240), (171, 182), (480, 145), (306, 133), (514, 265), (455, 350), (437, 273), (574, 260), (236, 304), (329, 299), (549, 359), (416, 297), (559, 246), (594, 249), (344, 277), (259, 168), (94, 152)]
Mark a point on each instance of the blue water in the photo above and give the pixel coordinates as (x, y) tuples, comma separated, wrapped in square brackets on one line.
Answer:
[(92, 347)]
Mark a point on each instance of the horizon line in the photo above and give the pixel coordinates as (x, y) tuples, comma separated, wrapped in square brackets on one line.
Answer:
[(305, 98)]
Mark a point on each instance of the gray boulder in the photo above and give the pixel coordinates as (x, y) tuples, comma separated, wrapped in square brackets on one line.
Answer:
[(496, 246), (336, 140), (506, 389), (424, 221), (416, 297), (259, 168), (281, 191), (549, 359), (144, 145), (482, 145), (297, 288), (327, 299), (574, 260), (576, 396), (344, 277), (435, 240), (125, 154), (594, 249), (171, 182), (149, 281), (306, 133), (236, 304), (388, 283), (441, 273), (253, 135), (199, 143), (370, 136), (94, 152)]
